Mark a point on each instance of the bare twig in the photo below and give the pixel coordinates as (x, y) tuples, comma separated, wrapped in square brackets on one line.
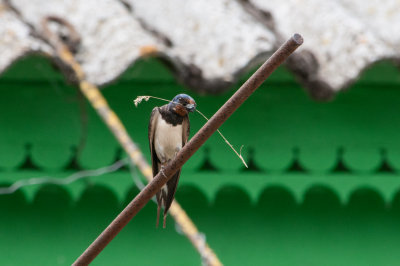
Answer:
[(189, 149), (238, 154)]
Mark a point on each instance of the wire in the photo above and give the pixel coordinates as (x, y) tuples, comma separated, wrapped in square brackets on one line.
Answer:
[(63, 181)]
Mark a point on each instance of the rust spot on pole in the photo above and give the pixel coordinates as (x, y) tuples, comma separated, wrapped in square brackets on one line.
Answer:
[(189, 149)]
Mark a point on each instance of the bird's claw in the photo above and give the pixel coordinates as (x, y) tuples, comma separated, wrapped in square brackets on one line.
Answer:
[(162, 171)]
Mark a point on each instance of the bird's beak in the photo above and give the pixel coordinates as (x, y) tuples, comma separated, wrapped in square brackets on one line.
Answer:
[(191, 107)]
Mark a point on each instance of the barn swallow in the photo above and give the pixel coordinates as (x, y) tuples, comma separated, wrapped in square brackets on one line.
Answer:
[(169, 129)]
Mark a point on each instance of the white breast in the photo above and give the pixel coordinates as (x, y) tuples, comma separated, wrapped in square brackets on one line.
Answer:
[(167, 140)]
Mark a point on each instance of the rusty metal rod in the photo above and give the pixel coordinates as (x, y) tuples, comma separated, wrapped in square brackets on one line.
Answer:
[(189, 149)]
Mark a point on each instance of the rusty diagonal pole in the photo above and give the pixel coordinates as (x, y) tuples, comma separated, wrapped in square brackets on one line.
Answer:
[(189, 149)]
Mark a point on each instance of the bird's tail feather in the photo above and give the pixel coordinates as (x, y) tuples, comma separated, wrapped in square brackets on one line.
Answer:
[(165, 218), (158, 215)]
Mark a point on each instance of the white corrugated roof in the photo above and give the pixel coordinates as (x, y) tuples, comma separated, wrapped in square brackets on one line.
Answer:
[(211, 43)]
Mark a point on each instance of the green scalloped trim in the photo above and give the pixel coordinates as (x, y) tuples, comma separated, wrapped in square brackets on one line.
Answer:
[(252, 185), (279, 123)]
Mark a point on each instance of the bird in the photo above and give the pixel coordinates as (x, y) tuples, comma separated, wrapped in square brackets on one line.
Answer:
[(169, 129)]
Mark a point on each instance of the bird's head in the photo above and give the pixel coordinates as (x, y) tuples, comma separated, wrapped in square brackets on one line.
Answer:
[(182, 104)]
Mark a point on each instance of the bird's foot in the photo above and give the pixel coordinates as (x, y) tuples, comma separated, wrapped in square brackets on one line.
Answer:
[(162, 171)]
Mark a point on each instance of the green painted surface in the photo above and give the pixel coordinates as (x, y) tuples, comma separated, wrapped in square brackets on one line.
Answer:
[(274, 231), (322, 189)]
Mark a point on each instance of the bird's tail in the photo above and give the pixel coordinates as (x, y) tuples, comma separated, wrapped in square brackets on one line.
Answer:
[(158, 215), (165, 218)]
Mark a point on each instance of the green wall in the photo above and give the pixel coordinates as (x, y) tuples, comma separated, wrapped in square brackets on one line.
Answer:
[(322, 188)]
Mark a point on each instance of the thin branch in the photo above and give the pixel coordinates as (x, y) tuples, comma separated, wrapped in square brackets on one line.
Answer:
[(101, 106)]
